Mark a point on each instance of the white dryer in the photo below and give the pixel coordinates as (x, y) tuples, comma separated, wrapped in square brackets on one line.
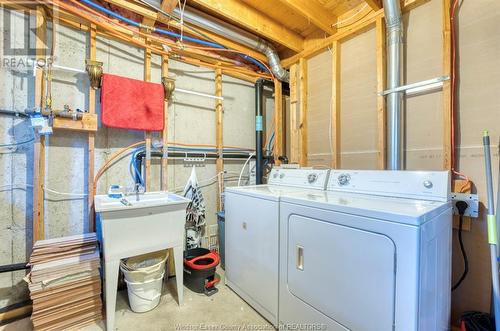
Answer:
[(373, 252), (252, 231)]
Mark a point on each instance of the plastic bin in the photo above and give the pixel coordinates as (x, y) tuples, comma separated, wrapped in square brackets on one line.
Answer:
[(144, 278), (144, 296), (221, 221)]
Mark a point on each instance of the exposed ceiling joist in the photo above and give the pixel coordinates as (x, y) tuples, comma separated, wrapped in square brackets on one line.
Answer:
[(374, 4), (168, 5), (151, 17), (146, 12), (314, 12), (253, 20)]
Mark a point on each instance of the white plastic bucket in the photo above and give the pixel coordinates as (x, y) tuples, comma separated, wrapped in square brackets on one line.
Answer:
[(145, 267), (144, 296)]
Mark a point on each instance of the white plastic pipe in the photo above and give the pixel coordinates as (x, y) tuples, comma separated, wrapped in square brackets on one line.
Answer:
[(198, 93)]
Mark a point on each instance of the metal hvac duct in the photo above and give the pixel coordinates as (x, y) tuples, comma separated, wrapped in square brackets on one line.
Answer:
[(394, 24), (215, 25)]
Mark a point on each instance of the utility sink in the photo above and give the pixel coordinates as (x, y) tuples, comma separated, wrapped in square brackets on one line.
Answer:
[(104, 203), (138, 224)]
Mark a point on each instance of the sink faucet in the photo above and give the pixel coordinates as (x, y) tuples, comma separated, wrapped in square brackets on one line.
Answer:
[(137, 190)]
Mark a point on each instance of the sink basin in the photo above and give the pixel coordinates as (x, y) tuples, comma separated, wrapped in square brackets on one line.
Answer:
[(104, 203), (141, 224)]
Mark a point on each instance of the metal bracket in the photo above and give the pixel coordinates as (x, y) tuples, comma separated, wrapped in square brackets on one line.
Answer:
[(94, 70), (418, 87), (168, 86), (195, 161)]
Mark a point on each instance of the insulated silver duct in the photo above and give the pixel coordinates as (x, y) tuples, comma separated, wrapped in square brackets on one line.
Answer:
[(394, 24), (215, 25)]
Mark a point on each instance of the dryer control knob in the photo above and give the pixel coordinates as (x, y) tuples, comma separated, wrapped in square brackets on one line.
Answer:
[(428, 184), (344, 179), (275, 175), (311, 178), (282, 176)]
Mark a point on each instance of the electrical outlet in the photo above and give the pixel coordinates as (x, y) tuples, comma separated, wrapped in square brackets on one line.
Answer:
[(471, 199)]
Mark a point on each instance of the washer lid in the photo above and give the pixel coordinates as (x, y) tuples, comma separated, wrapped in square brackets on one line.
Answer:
[(400, 210), (265, 191)]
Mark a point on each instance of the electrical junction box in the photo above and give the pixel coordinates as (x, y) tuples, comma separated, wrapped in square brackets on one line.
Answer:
[(471, 199)]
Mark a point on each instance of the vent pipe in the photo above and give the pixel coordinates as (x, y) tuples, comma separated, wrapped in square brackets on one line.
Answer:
[(394, 24), (217, 26)]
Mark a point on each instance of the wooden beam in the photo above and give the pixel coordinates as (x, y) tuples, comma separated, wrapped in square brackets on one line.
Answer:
[(219, 135), (314, 12), (278, 120), (91, 139), (294, 106), (303, 111), (136, 8), (164, 133), (254, 21), (335, 129), (381, 83), (168, 5), (88, 123), (374, 4), (147, 134), (447, 106), (39, 146), (360, 26)]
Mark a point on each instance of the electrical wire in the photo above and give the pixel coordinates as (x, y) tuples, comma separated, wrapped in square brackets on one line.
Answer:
[(464, 255), (121, 35), (82, 195), (453, 87), (211, 45), (243, 168)]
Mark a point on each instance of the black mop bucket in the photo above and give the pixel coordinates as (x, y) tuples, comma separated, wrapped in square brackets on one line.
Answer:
[(199, 270)]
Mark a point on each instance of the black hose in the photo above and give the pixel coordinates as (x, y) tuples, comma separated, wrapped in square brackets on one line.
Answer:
[(14, 267), (461, 206)]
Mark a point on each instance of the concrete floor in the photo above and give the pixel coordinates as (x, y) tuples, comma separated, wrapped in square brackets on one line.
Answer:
[(222, 311)]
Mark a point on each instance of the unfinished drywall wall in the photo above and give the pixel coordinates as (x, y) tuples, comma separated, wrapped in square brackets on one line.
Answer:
[(358, 99), (479, 109), (423, 113), (319, 88), (358, 103), (191, 120)]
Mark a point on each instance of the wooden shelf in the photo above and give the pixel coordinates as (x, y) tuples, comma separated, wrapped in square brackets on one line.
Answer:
[(87, 124)]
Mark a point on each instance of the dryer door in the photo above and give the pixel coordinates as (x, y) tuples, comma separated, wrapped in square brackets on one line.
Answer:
[(345, 274)]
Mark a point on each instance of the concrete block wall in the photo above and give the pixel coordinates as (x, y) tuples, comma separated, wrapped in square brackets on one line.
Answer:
[(191, 120)]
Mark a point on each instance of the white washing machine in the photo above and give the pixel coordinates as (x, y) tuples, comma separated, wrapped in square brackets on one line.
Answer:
[(251, 235), (373, 252)]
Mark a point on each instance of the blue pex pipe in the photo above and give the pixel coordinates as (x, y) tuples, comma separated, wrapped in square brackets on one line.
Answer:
[(166, 32)]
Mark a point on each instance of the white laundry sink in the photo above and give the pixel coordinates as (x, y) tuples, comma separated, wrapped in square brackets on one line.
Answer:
[(135, 225), (104, 203)]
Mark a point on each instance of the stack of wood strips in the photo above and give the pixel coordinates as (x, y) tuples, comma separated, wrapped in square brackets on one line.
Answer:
[(64, 282)]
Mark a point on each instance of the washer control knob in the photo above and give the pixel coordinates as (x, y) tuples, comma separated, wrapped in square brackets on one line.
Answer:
[(275, 175), (282, 175), (343, 179), (428, 184), (311, 178)]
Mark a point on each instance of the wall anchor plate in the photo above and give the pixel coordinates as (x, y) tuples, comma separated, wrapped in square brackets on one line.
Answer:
[(471, 199)]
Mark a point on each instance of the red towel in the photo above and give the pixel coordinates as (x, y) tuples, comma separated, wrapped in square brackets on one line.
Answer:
[(131, 104)]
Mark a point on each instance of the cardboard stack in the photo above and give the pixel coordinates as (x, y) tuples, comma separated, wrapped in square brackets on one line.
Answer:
[(64, 282)]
